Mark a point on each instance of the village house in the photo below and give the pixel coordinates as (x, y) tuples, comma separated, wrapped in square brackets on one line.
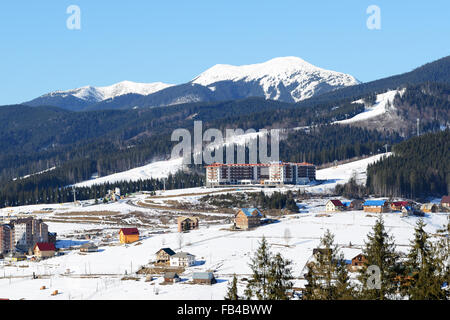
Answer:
[(88, 247), (203, 278), (182, 259), (128, 235), (356, 204), (44, 250), (187, 223), (319, 253), (445, 202), (248, 218), (163, 255), (376, 206), (334, 205), (171, 277), (429, 207), (399, 205), (358, 261)]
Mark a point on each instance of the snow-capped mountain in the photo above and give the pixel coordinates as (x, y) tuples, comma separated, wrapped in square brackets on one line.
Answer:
[(289, 79), (90, 95)]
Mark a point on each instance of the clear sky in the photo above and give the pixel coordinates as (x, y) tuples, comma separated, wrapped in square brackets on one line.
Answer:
[(173, 41)]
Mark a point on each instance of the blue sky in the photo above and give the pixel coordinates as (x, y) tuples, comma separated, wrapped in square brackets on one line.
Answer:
[(174, 41)]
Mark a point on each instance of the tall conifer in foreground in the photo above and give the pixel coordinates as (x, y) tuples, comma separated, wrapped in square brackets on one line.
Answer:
[(380, 253)]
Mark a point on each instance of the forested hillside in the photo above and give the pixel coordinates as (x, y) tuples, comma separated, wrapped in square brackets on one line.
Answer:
[(420, 167)]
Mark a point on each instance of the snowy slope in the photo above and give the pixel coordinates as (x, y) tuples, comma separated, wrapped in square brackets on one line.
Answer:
[(280, 78), (380, 107), (342, 173), (159, 169)]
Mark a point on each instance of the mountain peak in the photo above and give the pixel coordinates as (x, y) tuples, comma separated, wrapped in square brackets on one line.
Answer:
[(302, 78)]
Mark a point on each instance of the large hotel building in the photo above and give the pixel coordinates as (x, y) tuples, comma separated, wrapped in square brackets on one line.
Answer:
[(276, 173)]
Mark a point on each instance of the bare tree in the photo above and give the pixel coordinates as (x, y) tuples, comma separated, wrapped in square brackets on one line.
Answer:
[(180, 240), (287, 236)]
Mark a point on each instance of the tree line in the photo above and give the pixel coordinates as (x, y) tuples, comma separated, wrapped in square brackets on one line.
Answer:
[(423, 274)]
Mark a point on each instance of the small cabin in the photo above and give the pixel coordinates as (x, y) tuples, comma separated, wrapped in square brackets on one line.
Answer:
[(203, 278), (376, 206), (88, 247), (128, 235), (248, 218), (358, 261), (171, 277), (399, 205), (429, 207), (445, 202)]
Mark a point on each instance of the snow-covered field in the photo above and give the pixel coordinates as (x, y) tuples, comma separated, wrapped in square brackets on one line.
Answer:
[(98, 275)]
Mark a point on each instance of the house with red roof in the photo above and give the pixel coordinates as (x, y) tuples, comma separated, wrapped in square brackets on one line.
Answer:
[(334, 205), (128, 235), (44, 250), (399, 205), (445, 202)]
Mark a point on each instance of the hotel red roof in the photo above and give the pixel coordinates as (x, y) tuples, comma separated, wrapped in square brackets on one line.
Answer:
[(257, 164), (45, 246), (445, 199), (129, 231)]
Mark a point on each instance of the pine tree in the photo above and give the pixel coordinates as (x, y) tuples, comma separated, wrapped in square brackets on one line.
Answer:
[(260, 264), (379, 252), (279, 278), (232, 293), (344, 289), (327, 277)]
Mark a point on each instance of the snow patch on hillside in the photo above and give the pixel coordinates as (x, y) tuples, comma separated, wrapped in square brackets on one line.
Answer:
[(380, 107)]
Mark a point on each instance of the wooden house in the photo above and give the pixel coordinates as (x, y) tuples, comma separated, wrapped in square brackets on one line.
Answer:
[(429, 207), (182, 259), (203, 278), (358, 261), (187, 223), (44, 250), (334, 205), (171, 277), (445, 202), (248, 218), (399, 205), (128, 235), (88, 247), (163, 255), (376, 206), (356, 204)]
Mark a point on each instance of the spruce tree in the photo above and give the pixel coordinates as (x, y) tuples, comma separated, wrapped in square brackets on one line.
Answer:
[(379, 252), (327, 277), (279, 278), (232, 293), (260, 264)]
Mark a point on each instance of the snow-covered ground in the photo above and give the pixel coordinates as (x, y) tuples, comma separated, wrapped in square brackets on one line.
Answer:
[(379, 108), (156, 170), (225, 252), (98, 275)]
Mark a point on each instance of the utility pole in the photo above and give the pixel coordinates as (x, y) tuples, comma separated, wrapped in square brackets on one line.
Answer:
[(418, 126), (74, 195)]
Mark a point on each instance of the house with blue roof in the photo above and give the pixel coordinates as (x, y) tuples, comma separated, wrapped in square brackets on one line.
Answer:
[(376, 206), (247, 218)]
